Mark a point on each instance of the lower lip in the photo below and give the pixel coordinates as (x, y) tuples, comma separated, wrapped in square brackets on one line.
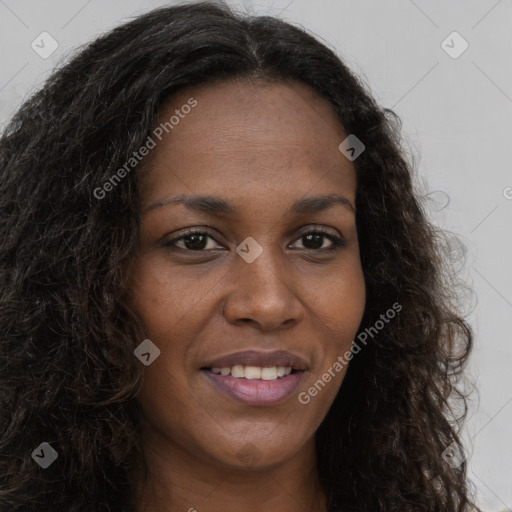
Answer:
[(255, 391)]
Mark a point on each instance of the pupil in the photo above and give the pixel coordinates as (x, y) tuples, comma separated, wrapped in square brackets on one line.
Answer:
[(195, 239), (318, 239)]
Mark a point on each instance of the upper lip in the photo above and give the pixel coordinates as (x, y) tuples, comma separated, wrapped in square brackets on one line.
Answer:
[(258, 358)]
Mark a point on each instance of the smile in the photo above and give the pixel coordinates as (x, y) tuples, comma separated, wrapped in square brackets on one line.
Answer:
[(252, 385)]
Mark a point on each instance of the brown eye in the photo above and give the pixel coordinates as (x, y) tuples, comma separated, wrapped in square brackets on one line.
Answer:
[(194, 240), (314, 240)]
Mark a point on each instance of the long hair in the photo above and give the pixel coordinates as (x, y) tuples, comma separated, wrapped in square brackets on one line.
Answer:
[(68, 375)]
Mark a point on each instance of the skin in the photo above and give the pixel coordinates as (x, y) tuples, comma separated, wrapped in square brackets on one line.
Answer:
[(260, 146)]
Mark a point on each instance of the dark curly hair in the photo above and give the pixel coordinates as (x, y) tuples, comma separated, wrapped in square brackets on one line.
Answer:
[(68, 375)]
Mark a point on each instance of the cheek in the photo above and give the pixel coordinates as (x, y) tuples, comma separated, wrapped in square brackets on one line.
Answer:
[(341, 305), (157, 298), (338, 314), (162, 308), (351, 303)]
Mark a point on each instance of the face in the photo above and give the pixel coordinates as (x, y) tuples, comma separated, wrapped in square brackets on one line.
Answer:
[(268, 282)]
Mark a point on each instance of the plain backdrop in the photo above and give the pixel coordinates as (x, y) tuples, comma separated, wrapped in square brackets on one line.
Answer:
[(456, 109)]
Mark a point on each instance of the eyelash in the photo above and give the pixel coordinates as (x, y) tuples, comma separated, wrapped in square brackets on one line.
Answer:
[(337, 242)]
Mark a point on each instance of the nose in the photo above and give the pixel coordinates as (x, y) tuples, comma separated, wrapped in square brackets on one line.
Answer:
[(264, 292)]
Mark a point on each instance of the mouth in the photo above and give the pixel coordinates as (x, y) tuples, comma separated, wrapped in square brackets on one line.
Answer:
[(256, 378)]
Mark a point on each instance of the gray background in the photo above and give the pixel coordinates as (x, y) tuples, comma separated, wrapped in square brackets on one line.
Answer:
[(456, 115)]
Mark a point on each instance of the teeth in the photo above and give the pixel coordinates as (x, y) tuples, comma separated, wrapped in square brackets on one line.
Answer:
[(237, 371), (254, 372), (269, 373)]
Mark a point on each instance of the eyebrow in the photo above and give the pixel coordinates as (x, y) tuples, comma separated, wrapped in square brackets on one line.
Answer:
[(217, 206)]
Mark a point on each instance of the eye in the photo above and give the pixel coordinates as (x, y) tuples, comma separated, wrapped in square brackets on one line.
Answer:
[(316, 237), (193, 240), (197, 240)]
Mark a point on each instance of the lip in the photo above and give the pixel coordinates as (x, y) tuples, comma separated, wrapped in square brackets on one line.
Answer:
[(255, 391), (259, 358)]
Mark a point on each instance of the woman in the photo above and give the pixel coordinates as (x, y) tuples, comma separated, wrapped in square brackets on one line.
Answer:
[(219, 289)]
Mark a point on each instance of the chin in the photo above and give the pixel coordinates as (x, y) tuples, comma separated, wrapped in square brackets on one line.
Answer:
[(252, 456)]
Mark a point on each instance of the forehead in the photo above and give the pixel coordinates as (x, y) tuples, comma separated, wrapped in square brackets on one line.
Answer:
[(262, 135)]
